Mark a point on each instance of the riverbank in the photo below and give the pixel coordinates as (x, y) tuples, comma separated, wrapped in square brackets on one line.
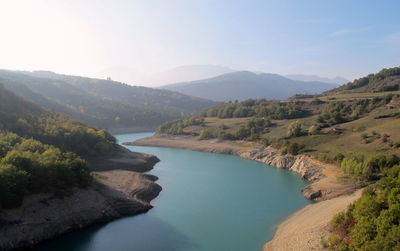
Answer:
[(303, 230), (323, 177), (119, 189)]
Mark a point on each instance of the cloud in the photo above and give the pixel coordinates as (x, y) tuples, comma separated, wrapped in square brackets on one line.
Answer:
[(339, 33), (314, 21), (345, 32)]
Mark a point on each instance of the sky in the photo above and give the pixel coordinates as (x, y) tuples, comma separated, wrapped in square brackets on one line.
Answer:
[(83, 37)]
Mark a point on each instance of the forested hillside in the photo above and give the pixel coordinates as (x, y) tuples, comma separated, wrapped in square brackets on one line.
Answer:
[(30, 120), (102, 103)]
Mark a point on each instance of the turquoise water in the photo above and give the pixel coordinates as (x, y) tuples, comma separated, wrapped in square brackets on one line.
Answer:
[(209, 202)]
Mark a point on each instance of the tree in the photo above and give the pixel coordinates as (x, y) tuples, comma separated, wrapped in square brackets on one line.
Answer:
[(294, 129)]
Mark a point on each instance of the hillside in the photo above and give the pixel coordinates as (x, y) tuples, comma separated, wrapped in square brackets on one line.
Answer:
[(383, 81), (29, 120), (242, 85), (50, 161), (102, 103), (353, 129)]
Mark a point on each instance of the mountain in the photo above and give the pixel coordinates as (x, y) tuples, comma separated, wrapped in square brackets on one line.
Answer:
[(29, 120), (308, 78), (192, 72), (179, 74), (102, 103), (242, 85), (383, 81)]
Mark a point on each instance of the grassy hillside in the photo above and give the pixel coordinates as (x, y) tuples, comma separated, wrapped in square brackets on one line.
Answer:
[(356, 127), (242, 85), (383, 81), (102, 103)]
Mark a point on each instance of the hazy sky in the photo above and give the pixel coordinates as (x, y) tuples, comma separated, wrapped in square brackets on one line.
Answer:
[(327, 38)]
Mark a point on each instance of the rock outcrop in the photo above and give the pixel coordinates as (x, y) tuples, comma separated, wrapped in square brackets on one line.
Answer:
[(305, 166)]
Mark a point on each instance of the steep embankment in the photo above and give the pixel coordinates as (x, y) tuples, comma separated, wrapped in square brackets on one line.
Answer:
[(114, 194), (324, 184)]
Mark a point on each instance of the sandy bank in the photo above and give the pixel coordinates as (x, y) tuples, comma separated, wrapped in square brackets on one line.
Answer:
[(119, 190), (303, 230)]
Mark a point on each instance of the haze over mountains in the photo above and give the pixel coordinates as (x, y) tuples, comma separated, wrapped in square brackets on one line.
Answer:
[(102, 103), (243, 85), (178, 74), (114, 105), (187, 73), (307, 78)]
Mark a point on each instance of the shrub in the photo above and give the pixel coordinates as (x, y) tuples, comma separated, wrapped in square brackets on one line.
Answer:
[(312, 130), (205, 134)]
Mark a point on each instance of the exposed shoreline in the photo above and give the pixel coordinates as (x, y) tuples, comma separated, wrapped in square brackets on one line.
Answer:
[(120, 189), (311, 221), (322, 177)]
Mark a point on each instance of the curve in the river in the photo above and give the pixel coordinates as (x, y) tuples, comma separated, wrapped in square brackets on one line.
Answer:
[(209, 202)]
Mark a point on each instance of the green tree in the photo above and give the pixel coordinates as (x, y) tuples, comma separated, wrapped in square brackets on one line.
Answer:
[(294, 129)]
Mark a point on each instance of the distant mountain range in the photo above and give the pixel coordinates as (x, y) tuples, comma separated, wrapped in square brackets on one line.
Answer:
[(178, 74), (188, 73), (308, 78), (102, 103), (242, 85)]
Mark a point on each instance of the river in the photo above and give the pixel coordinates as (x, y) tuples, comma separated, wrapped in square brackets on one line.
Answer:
[(208, 202)]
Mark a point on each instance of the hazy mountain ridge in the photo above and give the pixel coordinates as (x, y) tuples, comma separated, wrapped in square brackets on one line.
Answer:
[(307, 78), (178, 74), (242, 85), (102, 103)]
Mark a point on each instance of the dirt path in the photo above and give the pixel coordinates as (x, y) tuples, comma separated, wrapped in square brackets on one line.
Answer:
[(303, 229)]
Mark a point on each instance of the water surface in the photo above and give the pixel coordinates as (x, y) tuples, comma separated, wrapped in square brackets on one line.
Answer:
[(209, 202)]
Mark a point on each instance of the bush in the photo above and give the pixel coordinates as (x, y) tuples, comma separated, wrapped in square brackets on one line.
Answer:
[(312, 130), (205, 134), (291, 148)]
